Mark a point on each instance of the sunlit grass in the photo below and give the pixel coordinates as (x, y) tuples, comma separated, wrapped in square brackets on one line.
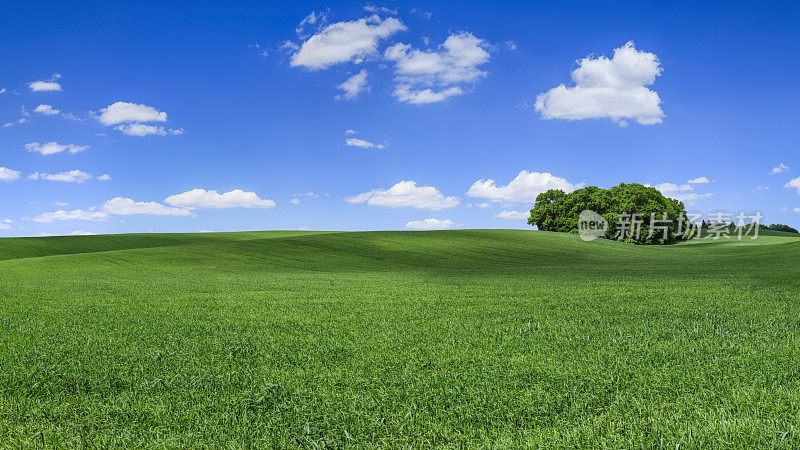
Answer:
[(391, 339)]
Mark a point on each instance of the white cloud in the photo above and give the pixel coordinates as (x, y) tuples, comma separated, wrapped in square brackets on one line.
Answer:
[(406, 94), (700, 180), (345, 41), (203, 199), (349, 132), (9, 175), (483, 205), (608, 88), (104, 177), (406, 193), (82, 233), (50, 148), (797, 210), (126, 112), (511, 45), (46, 110), (361, 143), (44, 86), (295, 201), (515, 215), (126, 206), (72, 176), (430, 224), (78, 214), (3, 91), (433, 76), (793, 183), (780, 168), (683, 192), (524, 188), (354, 85), (5, 224), (61, 203), (141, 129)]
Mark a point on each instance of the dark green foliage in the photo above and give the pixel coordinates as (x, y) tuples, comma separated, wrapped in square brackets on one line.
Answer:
[(780, 227), (555, 210)]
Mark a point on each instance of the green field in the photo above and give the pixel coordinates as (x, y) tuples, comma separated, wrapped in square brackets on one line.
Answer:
[(470, 338)]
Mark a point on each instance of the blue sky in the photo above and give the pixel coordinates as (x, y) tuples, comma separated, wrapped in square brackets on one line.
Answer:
[(229, 117)]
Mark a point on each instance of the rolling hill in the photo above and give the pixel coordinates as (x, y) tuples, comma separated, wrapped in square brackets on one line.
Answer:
[(490, 338)]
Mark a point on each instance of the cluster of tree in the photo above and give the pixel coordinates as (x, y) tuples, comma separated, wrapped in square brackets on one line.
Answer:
[(555, 210), (774, 227), (780, 227)]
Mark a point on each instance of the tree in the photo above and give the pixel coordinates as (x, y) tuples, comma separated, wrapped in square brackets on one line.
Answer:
[(555, 210)]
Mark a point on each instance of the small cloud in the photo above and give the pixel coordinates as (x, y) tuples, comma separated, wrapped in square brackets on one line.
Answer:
[(46, 110), (361, 143), (510, 45), (700, 180), (295, 201), (82, 233), (780, 168), (211, 199), (349, 132), (9, 175), (104, 177), (524, 188), (515, 215), (50, 148), (430, 224), (406, 194), (45, 86), (793, 183), (72, 176), (353, 86)]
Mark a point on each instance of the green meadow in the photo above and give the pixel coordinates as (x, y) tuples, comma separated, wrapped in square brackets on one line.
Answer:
[(463, 339)]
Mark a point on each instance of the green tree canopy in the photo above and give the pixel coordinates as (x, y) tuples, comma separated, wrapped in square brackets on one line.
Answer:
[(556, 210)]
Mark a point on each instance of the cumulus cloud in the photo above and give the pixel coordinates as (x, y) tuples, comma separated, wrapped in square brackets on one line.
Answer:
[(361, 143), (515, 215), (683, 192), (434, 76), (793, 183), (345, 41), (50, 148), (203, 199), (524, 188), (127, 206), (72, 176), (699, 180), (9, 175), (133, 119), (430, 224), (354, 85), (780, 168), (104, 177), (613, 88), (46, 110), (126, 112), (44, 86), (78, 214), (406, 193), (142, 129)]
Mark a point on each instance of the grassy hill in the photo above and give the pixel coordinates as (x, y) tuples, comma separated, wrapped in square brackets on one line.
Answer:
[(469, 338)]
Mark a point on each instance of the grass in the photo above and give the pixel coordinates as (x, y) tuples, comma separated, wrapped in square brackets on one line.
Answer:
[(470, 338)]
